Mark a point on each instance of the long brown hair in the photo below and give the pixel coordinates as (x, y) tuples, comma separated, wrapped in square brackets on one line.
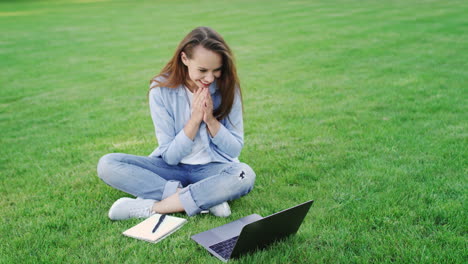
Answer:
[(175, 72)]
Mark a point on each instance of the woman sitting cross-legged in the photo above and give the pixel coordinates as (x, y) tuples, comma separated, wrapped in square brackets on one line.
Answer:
[(196, 107)]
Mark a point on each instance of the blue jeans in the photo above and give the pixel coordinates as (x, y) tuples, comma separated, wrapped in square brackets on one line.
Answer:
[(204, 186)]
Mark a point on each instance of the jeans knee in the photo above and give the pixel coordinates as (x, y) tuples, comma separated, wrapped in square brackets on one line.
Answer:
[(104, 167), (245, 177)]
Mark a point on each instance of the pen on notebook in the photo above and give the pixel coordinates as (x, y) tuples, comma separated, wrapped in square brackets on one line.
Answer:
[(161, 219)]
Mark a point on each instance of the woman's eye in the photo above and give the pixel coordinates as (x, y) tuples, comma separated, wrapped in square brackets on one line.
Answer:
[(202, 70)]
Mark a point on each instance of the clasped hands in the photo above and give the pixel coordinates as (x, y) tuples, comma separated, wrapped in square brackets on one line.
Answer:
[(202, 110), (202, 106)]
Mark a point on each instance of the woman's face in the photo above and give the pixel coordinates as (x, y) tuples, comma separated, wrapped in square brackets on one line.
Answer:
[(203, 68)]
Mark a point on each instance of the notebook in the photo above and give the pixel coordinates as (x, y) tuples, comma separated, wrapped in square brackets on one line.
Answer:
[(144, 230)]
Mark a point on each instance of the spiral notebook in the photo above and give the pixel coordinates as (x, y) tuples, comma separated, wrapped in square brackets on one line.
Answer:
[(144, 230)]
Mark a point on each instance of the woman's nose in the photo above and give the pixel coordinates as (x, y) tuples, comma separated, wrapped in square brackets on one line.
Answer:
[(209, 77)]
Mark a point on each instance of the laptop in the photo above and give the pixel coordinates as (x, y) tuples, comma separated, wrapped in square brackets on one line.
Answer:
[(252, 232)]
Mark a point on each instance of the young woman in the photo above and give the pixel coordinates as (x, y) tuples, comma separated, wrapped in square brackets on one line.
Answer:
[(196, 107)]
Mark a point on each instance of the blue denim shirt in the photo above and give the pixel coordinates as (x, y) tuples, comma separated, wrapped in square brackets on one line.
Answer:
[(170, 112)]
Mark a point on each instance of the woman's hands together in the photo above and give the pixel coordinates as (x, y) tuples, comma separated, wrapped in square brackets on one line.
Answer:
[(198, 105), (208, 107), (202, 110), (202, 106)]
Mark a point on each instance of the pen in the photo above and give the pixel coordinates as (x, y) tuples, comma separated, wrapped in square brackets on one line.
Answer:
[(161, 219)]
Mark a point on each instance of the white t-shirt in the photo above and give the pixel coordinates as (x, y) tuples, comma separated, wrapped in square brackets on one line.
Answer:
[(199, 154)]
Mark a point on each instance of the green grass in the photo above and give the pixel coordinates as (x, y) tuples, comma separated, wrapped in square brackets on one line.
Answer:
[(359, 105)]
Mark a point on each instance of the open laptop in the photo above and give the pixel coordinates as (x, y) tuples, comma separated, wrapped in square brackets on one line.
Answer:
[(252, 232)]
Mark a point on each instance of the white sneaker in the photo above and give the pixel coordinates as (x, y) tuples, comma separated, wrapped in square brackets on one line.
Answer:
[(221, 210), (126, 208)]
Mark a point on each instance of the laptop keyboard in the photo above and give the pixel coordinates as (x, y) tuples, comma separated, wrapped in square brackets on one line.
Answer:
[(224, 248)]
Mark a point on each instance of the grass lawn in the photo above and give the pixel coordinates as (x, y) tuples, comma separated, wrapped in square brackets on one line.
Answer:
[(359, 105)]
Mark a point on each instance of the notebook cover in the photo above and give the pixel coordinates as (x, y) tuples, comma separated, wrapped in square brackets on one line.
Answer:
[(144, 230)]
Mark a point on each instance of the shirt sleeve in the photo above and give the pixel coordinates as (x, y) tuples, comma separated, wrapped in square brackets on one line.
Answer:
[(173, 145), (230, 136)]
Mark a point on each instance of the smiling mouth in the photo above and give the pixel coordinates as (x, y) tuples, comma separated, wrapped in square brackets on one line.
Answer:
[(205, 84)]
